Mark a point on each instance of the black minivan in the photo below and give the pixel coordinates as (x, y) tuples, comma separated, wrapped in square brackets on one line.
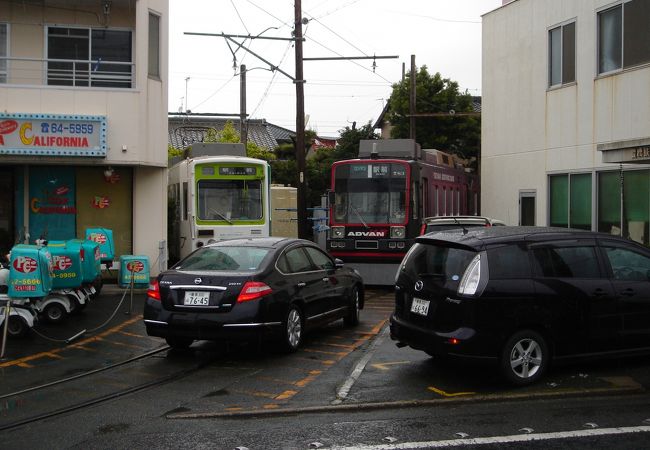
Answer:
[(523, 296)]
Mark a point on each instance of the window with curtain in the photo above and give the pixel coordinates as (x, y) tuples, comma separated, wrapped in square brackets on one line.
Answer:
[(562, 54), (580, 201), (624, 36), (4, 51), (609, 203), (154, 46), (634, 190), (570, 197), (559, 197)]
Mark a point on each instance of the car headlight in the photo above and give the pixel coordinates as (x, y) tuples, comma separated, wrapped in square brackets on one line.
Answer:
[(397, 232), (337, 232)]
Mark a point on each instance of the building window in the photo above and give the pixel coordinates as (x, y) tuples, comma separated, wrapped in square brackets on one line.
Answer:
[(154, 46), (570, 198), (89, 57), (624, 204), (562, 54), (4, 51), (624, 36)]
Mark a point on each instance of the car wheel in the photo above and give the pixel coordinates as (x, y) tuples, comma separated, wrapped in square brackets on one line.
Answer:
[(179, 343), (55, 313), (524, 358), (292, 329), (17, 327), (352, 317)]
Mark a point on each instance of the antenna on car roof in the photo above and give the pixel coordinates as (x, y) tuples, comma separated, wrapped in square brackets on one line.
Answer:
[(460, 224)]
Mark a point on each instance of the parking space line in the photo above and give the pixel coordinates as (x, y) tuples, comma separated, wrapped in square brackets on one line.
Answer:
[(308, 350), (286, 395), (22, 362), (448, 394), (254, 393)]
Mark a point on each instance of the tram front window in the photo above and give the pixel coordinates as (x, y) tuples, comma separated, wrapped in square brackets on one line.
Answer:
[(230, 200), (370, 199)]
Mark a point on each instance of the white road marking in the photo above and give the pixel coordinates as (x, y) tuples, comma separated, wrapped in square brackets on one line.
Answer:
[(500, 439), (344, 390)]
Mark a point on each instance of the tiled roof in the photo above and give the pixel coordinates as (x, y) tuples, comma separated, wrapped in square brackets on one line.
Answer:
[(186, 129)]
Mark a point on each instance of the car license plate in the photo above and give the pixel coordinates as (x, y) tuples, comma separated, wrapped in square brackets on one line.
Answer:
[(420, 306), (196, 298)]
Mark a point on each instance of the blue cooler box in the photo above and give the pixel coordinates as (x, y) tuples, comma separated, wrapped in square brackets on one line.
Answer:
[(30, 271), (134, 268)]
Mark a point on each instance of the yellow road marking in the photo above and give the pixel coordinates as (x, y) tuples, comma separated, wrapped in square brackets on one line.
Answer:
[(22, 362), (255, 393), (126, 333), (447, 394), (270, 406), (384, 366), (286, 394), (308, 350)]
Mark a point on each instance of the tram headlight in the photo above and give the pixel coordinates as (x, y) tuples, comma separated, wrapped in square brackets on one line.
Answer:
[(397, 232), (337, 232)]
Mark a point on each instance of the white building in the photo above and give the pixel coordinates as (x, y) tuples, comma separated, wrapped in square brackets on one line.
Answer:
[(83, 122), (566, 114)]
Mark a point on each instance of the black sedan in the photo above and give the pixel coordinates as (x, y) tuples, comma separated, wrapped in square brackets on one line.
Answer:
[(255, 288)]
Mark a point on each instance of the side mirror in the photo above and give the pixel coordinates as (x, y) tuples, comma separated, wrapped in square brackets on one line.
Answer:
[(331, 197), (338, 263)]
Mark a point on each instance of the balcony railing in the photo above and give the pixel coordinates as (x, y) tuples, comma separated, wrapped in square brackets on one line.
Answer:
[(67, 72)]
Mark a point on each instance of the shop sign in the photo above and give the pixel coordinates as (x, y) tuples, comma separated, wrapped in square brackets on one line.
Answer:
[(52, 135), (642, 152)]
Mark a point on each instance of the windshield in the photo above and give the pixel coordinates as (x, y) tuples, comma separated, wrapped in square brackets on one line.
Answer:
[(230, 200), (224, 258), (370, 193)]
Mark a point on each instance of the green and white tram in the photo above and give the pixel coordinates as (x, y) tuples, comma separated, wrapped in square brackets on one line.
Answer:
[(213, 198)]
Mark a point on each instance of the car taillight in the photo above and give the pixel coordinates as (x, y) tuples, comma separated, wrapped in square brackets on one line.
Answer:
[(82, 254), (154, 291), (469, 283), (422, 229), (253, 290)]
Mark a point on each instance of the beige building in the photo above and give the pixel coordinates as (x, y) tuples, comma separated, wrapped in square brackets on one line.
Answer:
[(566, 114), (83, 122)]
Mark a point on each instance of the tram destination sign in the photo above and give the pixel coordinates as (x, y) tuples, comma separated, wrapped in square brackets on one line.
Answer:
[(52, 135)]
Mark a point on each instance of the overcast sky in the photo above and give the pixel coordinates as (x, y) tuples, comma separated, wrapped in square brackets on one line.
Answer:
[(444, 35)]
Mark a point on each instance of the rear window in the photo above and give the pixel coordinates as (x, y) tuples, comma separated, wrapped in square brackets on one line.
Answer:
[(451, 226), (224, 258), (440, 262), (509, 262)]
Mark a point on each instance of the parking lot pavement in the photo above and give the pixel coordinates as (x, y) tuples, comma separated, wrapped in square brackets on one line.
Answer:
[(108, 330)]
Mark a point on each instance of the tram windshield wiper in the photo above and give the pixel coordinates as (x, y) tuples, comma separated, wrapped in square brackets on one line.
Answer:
[(354, 210), (223, 216)]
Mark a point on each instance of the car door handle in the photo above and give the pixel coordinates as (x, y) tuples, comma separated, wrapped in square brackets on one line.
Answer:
[(302, 285), (628, 292), (600, 293)]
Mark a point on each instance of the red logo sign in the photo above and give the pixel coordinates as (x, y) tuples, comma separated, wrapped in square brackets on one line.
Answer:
[(135, 266), (6, 127), (101, 202), (25, 264), (62, 262), (98, 237)]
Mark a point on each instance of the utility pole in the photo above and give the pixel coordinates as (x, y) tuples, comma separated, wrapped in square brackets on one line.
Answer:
[(243, 124), (412, 100), (303, 225)]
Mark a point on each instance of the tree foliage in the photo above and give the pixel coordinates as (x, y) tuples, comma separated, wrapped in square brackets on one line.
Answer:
[(229, 134), (456, 134)]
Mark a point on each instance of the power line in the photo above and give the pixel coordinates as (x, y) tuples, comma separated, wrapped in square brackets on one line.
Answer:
[(216, 92), (239, 15), (268, 13), (268, 88)]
